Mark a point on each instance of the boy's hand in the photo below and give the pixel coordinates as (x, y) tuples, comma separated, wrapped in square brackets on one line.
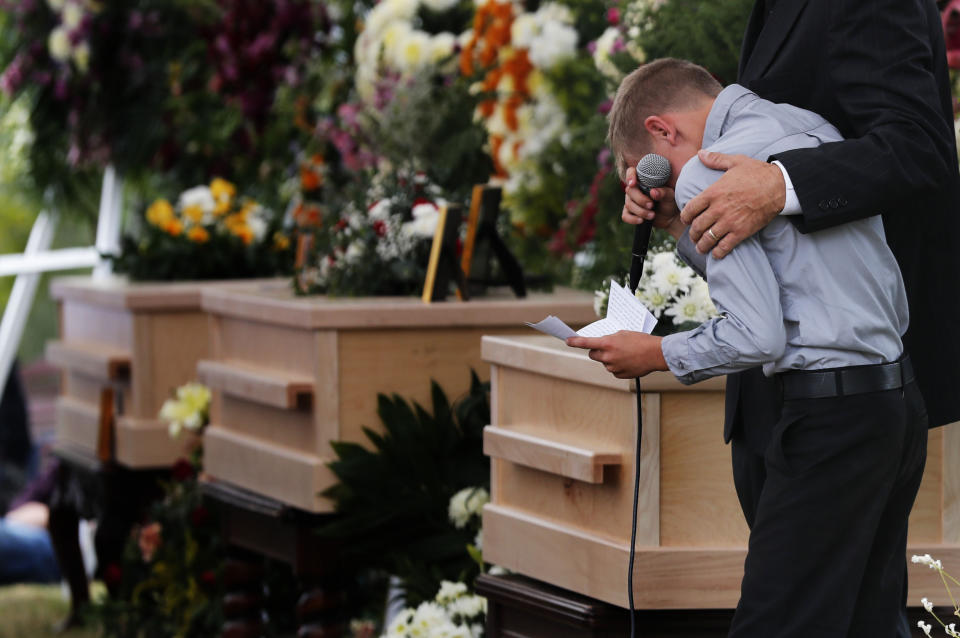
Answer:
[(737, 205), (624, 354), (660, 206)]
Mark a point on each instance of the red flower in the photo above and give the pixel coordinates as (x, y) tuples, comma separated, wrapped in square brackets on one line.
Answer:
[(200, 516), (380, 228), (950, 16), (341, 224), (112, 575), (613, 16), (208, 578), (182, 470)]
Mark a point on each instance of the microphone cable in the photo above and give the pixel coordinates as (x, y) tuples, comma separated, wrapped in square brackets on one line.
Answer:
[(636, 502)]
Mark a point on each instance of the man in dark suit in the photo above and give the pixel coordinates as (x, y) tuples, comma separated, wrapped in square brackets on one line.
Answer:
[(878, 72)]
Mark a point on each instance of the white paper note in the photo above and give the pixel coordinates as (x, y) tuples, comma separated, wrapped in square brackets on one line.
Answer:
[(624, 312)]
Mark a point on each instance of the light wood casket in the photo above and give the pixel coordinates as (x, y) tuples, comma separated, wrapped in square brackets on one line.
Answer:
[(291, 374), (124, 348), (562, 448)]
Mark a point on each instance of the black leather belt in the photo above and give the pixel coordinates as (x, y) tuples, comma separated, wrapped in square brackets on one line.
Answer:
[(838, 382)]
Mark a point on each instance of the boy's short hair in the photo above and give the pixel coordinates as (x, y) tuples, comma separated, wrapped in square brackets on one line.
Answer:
[(664, 85)]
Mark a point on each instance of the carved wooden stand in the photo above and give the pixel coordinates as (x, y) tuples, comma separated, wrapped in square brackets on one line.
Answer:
[(256, 526)]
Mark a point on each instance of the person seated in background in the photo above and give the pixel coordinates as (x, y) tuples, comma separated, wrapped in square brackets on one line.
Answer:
[(823, 313), (26, 552), (17, 455)]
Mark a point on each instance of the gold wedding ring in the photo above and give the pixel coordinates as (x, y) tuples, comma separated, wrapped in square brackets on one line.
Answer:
[(715, 238)]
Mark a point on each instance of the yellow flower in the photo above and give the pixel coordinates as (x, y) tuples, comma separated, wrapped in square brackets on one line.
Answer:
[(194, 213), (236, 220), (223, 193), (198, 234), (160, 213), (244, 232), (280, 242), (194, 396)]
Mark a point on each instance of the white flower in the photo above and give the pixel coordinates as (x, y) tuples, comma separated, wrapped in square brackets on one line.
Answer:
[(653, 299), (427, 617), (468, 607), (669, 276), (198, 196), (258, 226), (524, 30), (686, 309), (401, 624), (380, 210), (467, 503), (59, 44), (556, 43), (600, 301), (441, 47), (926, 604), (56, 5), (412, 51), (928, 560), (924, 626), (72, 15), (355, 252), (478, 540), (951, 629), (450, 591), (425, 219)]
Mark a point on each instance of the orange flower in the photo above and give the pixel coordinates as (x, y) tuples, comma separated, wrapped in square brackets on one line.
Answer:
[(173, 227), (280, 242), (244, 233), (198, 234), (309, 179)]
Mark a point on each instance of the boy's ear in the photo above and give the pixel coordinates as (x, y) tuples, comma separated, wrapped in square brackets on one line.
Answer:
[(660, 129)]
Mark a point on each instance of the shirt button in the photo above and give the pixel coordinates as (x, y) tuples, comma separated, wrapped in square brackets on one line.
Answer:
[(824, 205)]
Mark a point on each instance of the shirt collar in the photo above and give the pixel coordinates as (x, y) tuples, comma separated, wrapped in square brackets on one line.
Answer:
[(718, 112)]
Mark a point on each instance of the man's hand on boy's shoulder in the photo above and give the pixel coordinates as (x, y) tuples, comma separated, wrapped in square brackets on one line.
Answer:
[(660, 206), (745, 199)]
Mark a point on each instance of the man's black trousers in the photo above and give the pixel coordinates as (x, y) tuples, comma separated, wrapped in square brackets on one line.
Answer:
[(828, 502)]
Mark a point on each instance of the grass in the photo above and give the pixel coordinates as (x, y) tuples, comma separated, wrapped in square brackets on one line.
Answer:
[(31, 611)]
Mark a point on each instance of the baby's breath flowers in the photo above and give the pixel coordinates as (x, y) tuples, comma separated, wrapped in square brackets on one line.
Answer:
[(927, 604)]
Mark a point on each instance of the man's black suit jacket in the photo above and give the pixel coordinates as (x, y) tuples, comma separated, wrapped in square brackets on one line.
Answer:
[(878, 72)]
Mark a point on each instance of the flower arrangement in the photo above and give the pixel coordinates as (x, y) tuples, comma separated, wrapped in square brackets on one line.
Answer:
[(168, 582), (210, 234), (402, 38), (377, 246), (91, 73), (453, 613), (670, 288)]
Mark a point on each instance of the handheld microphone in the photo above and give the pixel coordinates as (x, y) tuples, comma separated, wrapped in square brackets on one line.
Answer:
[(652, 171)]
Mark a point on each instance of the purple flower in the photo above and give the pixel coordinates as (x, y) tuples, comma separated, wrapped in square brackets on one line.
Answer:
[(605, 107), (60, 88), (592, 47)]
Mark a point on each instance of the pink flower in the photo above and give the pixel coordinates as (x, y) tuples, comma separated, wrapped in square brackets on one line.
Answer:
[(149, 541), (613, 16), (950, 16)]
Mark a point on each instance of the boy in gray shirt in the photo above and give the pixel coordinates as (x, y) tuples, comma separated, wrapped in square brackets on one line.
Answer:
[(824, 314)]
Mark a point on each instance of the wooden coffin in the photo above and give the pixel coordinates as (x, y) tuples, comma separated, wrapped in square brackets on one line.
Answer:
[(562, 447), (124, 349), (291, 374)]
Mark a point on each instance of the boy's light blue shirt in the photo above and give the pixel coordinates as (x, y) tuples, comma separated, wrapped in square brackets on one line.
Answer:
[(788, 301)]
